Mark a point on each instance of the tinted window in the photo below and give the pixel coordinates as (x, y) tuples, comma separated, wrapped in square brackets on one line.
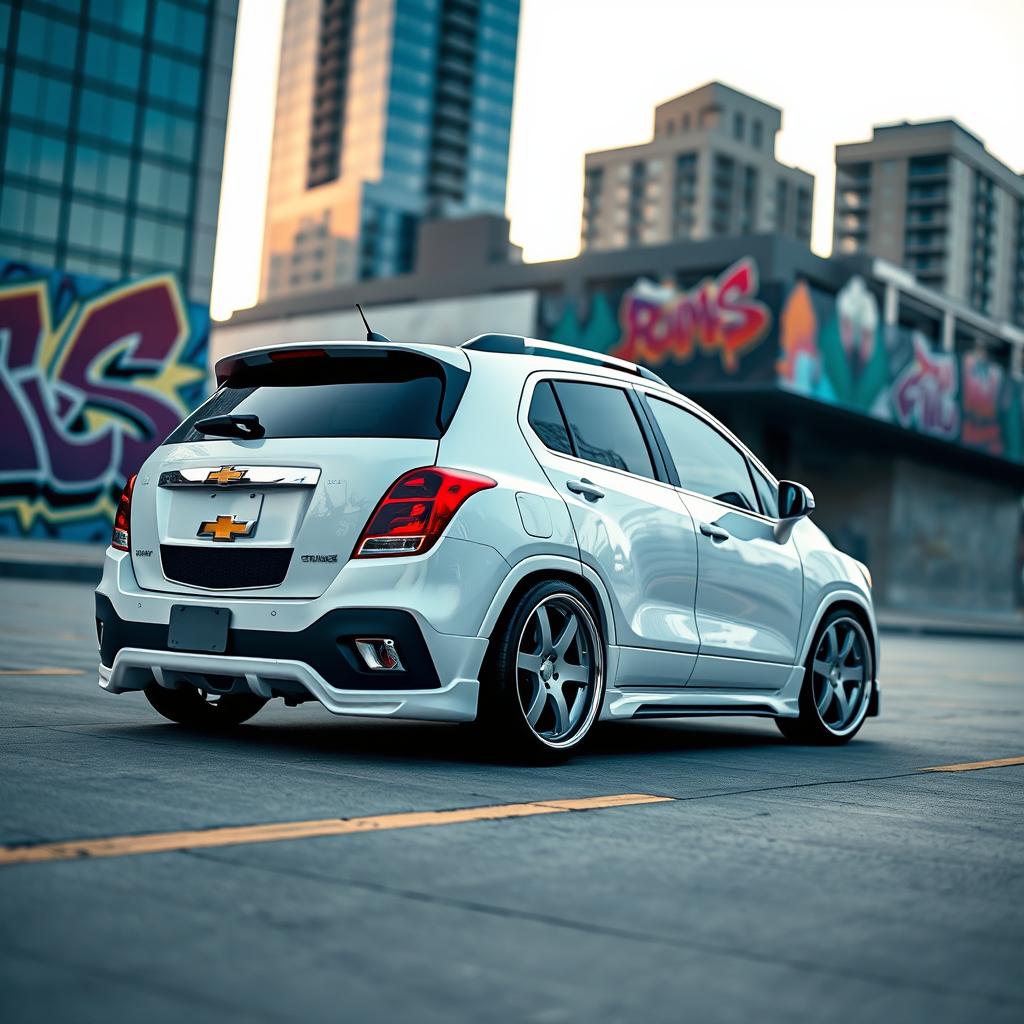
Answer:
[(546, 420), (603, 427), (705, 461), (398, 395), (769, 495)]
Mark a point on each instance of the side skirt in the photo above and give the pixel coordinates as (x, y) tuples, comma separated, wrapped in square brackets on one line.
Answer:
[(691, 702)]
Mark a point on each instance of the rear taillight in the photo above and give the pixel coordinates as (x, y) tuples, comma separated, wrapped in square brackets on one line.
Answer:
[(121, 538), (416, 510)]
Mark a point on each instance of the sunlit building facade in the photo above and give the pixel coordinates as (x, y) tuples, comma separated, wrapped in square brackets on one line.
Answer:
[(112, 122), (388, 111), (709, 171)]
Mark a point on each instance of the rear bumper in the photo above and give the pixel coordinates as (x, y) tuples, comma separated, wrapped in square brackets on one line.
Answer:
[(310, 655), (136, 668), (326, 646)]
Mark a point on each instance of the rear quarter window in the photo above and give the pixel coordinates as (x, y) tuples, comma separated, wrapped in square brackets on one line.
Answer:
[(392, 395), (603, 427)]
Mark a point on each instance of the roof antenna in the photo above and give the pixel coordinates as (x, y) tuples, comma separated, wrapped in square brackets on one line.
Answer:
[(370, 335)]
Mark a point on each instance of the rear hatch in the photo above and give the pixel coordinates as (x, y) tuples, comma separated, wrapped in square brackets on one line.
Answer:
[(281, 512)]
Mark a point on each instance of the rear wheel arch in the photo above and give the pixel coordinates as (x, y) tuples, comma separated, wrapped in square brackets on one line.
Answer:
[(543, 677), (543, 575)]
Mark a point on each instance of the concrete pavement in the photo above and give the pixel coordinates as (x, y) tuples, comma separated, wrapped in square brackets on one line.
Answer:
[(778, 883)]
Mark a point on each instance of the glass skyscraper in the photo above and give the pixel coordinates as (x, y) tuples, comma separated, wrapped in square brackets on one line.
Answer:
[(112, 123), (388, 111)]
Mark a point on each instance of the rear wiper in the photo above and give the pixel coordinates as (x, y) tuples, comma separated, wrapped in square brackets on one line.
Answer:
[(246, 427)]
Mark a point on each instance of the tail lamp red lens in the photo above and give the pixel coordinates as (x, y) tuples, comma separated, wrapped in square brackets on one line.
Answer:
[(121, 538), (416, 510)]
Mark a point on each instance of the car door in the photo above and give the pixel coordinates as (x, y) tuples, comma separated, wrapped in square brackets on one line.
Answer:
[(631, 528), (749, 587)]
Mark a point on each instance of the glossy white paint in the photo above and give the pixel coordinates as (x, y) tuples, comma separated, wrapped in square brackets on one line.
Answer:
[(750, 594), (637, 538), (693, 624)]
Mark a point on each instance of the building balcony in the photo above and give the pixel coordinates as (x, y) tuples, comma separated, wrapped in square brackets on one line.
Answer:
[(458, 115), (925, 248), (449, 136), (454, 89), (457, 19), (927, 174), (849, 177), (461, 43), (917, 202)]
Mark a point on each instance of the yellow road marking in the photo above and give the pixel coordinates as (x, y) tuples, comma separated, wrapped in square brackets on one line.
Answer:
[(41, 672), (165, 842), (974, 766)]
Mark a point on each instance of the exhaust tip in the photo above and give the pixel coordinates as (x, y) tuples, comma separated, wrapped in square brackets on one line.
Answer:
[(379, 654)]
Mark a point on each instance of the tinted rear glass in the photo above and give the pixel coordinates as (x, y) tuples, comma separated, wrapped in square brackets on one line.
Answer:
[(604, 427), (394, 395), (546, 419)]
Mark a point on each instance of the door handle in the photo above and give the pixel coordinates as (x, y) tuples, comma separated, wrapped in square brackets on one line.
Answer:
[(586, 488), (714, 532)]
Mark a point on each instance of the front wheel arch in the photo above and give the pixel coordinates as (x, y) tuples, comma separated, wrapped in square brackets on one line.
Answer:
[(858, 612)]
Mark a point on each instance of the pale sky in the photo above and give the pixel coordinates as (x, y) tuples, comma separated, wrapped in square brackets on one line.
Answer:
[(591, 71)]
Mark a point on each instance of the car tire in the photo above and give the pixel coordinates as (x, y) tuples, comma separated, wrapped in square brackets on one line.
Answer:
[(544, 684), (838, 683), (190, 706)]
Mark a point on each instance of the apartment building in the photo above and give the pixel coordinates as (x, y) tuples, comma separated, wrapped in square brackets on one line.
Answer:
[(709, 171), (930, 197)]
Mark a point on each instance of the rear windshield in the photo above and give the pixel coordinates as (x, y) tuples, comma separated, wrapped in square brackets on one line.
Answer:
[(395, 394)]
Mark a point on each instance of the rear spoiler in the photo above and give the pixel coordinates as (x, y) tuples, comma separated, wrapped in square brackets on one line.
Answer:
[(264, 356)]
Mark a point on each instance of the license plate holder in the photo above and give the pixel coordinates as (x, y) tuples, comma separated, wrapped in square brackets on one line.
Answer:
[(197, 628)]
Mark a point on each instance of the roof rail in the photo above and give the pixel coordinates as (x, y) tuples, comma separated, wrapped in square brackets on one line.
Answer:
[(514, 344)]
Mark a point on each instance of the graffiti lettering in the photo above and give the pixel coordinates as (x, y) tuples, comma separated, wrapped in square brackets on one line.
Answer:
[(87, 389), (720, 316), (925, 392)]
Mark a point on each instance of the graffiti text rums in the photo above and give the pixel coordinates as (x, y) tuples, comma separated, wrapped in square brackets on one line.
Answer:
[(721, 316), (86, 394)]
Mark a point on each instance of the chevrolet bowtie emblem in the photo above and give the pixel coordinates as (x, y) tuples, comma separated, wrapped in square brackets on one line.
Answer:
[(225, 475), (226, 528)]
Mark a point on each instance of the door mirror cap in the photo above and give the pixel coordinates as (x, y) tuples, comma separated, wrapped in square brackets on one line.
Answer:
[(795, 503)]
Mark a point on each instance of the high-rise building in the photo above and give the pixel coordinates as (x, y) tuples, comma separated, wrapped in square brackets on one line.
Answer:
[(112, 122), (710, 170), (388, 111), (930, 197)]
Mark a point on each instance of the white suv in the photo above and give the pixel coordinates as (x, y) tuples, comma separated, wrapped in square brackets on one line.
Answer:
[(509, 531)]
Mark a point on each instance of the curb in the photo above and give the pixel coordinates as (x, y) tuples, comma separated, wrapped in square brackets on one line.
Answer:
[(75, 572), (979, 632)]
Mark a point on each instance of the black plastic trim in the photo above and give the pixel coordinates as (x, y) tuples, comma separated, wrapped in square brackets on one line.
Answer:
[(327, 645), (704, 711)]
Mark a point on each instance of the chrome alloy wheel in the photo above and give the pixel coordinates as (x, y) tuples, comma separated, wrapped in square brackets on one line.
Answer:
[(841, 683), (559, 670)]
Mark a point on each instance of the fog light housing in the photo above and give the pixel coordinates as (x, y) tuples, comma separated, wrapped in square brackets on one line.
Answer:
[(379, 654)]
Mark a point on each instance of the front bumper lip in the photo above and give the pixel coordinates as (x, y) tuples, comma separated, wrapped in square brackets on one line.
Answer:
[(135, 668)]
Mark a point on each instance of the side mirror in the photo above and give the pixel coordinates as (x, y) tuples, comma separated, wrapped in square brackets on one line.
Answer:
[(795, 503)]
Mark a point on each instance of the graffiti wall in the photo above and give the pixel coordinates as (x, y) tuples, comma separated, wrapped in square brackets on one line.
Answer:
[(838, 350), (92, 377), (719, 329), (731, 329)]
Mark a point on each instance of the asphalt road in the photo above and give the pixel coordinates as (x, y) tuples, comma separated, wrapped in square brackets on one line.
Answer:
[(780, 883)]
